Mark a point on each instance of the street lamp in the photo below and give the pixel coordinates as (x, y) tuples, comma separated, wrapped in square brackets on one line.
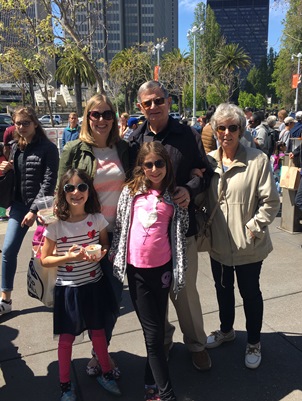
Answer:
[(156, 49), (299, 55), (194, 31)]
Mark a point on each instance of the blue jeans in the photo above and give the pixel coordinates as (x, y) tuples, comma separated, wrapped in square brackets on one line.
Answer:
[(12, 243)]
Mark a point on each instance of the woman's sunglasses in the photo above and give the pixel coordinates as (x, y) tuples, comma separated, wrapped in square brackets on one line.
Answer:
[(96, 115), (231, 128), (158, 102), (160, 163), (80, 187), (23, 123)]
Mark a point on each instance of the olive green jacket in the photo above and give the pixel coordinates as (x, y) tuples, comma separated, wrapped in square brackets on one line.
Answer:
[(79, 154)]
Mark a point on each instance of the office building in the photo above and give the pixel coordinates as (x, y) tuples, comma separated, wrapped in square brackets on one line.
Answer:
[(121, 24), (244, 22)]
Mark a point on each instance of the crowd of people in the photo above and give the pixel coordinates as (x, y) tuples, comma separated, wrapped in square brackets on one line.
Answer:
[(132, 188)]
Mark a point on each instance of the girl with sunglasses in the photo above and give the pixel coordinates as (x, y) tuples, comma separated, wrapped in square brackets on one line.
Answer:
[(82, 298), (149, 243), (104, 156)]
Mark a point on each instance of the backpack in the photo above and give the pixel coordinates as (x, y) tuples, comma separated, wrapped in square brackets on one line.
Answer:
[(272, 139)]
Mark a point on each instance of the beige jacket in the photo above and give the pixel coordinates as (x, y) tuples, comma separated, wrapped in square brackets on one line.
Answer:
[(250, 202)]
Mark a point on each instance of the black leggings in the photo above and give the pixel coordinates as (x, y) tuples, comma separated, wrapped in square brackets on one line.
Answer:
[(149, 291)]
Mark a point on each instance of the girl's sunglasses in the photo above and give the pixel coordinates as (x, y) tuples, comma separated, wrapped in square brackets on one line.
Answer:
[(96, 115), (231, 128), (80, 187), (148, 103), (160, 163)]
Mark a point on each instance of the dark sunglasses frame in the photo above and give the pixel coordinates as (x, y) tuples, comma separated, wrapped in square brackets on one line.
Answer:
[(158, 102), (231, 128), (287, 124), (23, 123), (82, 187), (96, 115), (160, 163)]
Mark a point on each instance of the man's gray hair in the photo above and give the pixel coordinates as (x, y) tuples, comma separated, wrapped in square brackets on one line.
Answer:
[(151, 85), (271, 121)]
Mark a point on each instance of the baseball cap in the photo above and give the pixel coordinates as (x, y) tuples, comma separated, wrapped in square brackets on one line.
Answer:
[(298, 115), (289, 120), (131, 121)]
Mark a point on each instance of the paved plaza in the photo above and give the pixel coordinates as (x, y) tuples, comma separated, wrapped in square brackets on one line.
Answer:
[(28, 353)]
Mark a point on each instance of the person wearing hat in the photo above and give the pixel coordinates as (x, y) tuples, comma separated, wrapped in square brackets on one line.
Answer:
[(296, 130), (284, 135), (132, 125)]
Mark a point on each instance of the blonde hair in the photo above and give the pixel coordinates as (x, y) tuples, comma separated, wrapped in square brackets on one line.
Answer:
[(86, 132)]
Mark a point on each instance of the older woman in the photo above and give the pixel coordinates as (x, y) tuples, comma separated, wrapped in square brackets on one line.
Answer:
[(104, 156), (249, 202), (34, 160)]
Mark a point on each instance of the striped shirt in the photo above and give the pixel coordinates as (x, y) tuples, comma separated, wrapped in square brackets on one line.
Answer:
[(108, 182), (83, 233)]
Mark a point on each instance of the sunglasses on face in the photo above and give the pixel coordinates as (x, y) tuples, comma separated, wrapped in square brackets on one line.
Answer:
[(80, 187), (96, 115), (231, 128), (287, 124), (23, 123), (160, 163), (157, 102)]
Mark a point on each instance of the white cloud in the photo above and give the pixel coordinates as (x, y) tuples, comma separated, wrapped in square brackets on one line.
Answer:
[(188, 5)]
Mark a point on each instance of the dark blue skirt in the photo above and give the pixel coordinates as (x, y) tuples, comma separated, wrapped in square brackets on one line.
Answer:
[(87, 307)]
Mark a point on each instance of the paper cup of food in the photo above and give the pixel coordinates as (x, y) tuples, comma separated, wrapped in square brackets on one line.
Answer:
[(94, 249)]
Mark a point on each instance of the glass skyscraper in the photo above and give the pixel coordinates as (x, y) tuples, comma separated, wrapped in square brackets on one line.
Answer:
[(244, 22)]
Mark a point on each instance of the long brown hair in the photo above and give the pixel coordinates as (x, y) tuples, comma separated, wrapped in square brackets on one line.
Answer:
[(86, 133), (29, 112), (140, 182)]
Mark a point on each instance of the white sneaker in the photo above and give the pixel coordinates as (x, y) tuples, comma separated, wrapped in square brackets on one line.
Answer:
[(253, 356), (5, 307), (217, 337)]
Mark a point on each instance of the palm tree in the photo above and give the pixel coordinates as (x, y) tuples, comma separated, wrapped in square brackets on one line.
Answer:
[(73, 70), (228, 61), (175, 72)]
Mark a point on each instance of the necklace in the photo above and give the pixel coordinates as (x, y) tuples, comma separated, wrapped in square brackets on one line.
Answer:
[(147, 219)]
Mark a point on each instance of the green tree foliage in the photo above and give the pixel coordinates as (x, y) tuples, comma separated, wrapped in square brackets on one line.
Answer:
[(130, 68), (228, 62), (284, 65), (175, 73), (73, 70)]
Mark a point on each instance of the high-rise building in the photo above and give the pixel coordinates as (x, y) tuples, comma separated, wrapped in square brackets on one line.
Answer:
[(120, 24), (244, 22)]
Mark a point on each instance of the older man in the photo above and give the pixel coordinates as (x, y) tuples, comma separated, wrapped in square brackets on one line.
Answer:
[(187, 153)]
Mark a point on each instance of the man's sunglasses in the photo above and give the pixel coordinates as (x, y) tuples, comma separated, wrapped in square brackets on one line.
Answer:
[(231, 128), (158, 102), (80, 187), (160, 163), (96, 115), (287, 124)]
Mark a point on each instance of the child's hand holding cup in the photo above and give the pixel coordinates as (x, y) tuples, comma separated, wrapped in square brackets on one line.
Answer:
[(95, 251)]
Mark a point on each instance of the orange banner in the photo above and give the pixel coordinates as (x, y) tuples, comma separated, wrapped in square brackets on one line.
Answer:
[(156, 72), (296, 81)]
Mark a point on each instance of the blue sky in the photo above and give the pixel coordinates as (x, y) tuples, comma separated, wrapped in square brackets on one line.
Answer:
[(186, 18)]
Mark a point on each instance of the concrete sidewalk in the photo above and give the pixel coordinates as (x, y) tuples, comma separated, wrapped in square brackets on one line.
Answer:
[(28, 353)]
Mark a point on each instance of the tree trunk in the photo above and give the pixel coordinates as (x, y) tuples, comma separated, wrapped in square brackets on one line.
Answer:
[(78, 94)]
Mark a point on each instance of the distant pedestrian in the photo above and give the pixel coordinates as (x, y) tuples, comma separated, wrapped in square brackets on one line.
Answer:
[(149, 243), (132, 125), (123, 124), (71, 132), (82, 299)]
